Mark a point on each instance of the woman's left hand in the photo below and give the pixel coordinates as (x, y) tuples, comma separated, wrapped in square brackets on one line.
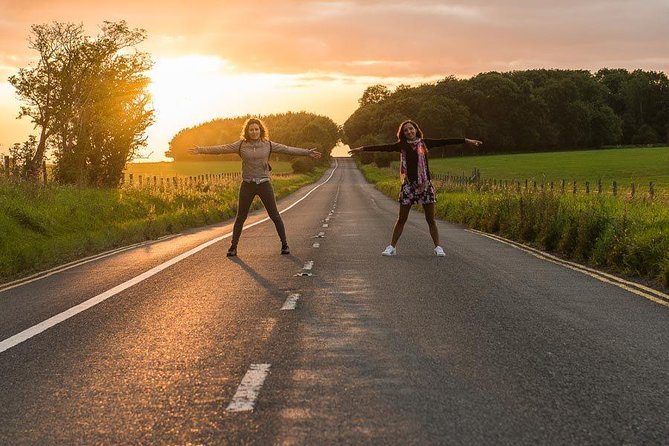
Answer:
[(473, 142), (314, 153)]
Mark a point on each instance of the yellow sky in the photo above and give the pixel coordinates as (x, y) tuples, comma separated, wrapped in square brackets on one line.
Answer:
[(229, 58)]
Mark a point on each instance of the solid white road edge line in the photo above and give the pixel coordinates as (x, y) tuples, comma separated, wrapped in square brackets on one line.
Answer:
[(44, 274), (247, 392), (28, 333), (291, 302), (599, 275)]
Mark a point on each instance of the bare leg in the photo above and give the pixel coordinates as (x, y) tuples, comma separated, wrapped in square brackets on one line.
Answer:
[(399, 225), (429, 217)]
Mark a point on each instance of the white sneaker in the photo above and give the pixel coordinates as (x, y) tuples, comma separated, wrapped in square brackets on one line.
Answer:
[(389, 251), (439, 251)]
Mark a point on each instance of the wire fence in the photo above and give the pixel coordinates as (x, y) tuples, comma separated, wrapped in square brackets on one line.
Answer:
[(10, 172), (614, 188)]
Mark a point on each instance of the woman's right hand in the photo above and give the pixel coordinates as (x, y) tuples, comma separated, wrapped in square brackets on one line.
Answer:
[(193, 150), (354, 151)]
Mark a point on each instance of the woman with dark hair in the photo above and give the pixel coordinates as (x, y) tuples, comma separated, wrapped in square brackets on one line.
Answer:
[(417, 185), (255, 148)]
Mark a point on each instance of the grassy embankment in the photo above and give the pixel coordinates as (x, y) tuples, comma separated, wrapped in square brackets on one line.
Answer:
[(41, 227), (627, 236)]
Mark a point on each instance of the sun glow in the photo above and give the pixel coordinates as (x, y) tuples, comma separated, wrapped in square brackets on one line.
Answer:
[(193, 89)]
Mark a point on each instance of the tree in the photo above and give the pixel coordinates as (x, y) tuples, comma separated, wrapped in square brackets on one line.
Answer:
[(40, 86), (374, 94), (88, 96)]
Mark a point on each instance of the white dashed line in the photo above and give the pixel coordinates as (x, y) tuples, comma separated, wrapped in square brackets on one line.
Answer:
[(308, 265), (247, 392), (317, 245), (325, 225), (291, 302)]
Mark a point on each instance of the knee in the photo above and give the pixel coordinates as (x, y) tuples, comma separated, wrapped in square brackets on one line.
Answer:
[(242, 214), (430, 220)]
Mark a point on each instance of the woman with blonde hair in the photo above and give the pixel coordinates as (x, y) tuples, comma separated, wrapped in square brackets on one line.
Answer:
[(254, 147), (417, 185)]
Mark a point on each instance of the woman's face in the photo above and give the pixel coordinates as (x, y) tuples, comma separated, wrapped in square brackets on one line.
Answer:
[(254, 131), (409, 131)]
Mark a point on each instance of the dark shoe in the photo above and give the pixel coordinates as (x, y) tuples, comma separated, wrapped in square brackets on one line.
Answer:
[(232, 251), (285, 250)]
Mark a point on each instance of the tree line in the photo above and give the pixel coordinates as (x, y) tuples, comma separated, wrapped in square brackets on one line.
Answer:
[(523, 111)]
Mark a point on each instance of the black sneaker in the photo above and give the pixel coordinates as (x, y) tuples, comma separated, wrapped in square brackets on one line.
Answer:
[(232, 251), (285, 250)]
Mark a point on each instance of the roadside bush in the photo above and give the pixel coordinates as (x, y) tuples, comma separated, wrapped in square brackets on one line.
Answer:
[(303, 165), (383, 159)]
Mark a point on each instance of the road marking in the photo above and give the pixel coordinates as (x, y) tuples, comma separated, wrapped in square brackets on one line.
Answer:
[(308, 265), (28, 333), (291, 302), (44, 274), (317, 245), (638, 289), (325, 225), (247, 392)]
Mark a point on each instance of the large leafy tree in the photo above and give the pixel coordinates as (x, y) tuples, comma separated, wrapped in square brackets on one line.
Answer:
[(88, 98)]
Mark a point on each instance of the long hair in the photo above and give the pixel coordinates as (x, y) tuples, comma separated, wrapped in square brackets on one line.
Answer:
[(400, 132), (264, 134)]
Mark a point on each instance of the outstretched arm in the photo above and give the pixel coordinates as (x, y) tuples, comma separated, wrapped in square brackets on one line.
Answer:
[(430, 143), (215, 150), (282, 148), (473, 142), (379, 148)]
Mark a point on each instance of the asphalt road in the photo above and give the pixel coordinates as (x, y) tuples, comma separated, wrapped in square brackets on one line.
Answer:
[(488, 345)]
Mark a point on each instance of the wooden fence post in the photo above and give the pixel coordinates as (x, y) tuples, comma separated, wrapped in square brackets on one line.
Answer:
[(587, 187), (7, 166), (562, 187), (130, 179), (599, 186), (632, 190), (615, 188), (573, 188), (651, 190)]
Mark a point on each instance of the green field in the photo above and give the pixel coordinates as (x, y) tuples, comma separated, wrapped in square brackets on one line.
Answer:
[(638, 165), (194, 168)]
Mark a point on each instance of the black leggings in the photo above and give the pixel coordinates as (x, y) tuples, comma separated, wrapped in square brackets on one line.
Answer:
[(247, 191)]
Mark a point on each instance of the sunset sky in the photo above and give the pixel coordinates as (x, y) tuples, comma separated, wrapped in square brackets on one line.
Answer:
[(228, 58)]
